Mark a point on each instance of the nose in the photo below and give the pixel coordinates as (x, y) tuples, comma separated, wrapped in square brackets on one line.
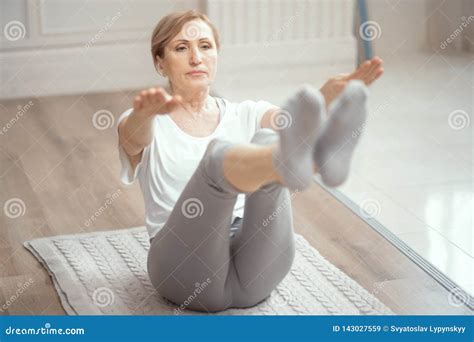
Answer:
[(196, 57)]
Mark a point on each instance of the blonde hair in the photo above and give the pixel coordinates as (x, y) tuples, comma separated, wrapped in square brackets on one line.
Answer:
[(171, 25)]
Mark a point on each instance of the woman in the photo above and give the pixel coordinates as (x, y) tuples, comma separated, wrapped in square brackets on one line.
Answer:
[(216, 176)]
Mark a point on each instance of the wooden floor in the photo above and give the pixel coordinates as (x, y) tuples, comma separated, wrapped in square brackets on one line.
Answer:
[(62, 168)]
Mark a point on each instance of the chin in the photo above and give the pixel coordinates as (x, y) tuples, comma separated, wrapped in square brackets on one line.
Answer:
[(199, 84)]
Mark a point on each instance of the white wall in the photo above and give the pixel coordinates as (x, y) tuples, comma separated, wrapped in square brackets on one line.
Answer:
[(402, 24), (451, 27), (77, 46), (63, 47), (409, 26)]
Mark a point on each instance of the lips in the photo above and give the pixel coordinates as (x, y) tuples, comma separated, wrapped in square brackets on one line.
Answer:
[(196, 72)]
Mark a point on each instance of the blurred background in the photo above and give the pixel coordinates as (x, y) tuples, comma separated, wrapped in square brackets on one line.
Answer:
[(70, 68)]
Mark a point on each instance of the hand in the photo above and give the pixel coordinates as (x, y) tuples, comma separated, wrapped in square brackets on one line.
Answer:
[(368, 72), (155, 101)]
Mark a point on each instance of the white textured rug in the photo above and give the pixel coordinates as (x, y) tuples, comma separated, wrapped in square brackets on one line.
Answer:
[(104, 273)]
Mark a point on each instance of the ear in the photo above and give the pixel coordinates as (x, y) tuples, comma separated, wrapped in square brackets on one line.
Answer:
[(159, 66)]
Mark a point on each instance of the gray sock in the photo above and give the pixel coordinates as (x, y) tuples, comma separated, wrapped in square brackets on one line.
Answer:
[(297, 125), (340, 133)]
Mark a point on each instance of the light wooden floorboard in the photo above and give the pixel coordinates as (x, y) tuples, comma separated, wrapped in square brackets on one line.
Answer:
[(63, 169)]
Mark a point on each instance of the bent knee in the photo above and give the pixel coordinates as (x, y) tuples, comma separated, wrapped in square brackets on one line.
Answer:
[(265, 136)]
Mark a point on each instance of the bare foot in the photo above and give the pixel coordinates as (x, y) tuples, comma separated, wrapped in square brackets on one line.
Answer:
[(367, 72)]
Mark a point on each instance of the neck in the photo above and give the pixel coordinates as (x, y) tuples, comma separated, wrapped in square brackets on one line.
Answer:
[(194, 101)]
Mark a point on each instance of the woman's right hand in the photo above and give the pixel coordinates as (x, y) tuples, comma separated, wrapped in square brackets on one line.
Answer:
[(155, 101), (368, 72)]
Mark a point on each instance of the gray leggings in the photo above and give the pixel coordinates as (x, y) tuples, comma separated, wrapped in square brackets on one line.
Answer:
[(195, 263)]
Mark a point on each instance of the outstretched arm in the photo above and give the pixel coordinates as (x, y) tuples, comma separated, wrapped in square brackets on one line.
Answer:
[(368, 72), (136, 130)]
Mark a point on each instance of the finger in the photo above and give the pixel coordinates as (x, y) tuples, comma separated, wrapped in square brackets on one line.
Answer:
[(373, 72), (162, 92), (143, 96), (160, 97), (378, 74), (173, 103), (150, 94), (174, 99), (164, 96), (377, 59), (370, 72), (375, 76), (179, 98), (361, 71), (376, 62), (365, 64), (157, 98), (167, 97), (341, 76), (137, 103)]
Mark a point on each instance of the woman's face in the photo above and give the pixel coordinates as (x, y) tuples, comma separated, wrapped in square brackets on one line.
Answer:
[(190, 59)]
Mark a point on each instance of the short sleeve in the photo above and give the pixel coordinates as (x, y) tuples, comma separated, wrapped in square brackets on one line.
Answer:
[(261, 107), (253, 112), (127, 174)]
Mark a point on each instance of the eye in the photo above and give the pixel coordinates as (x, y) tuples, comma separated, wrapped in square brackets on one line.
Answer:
[(180, 48), (206, 46)]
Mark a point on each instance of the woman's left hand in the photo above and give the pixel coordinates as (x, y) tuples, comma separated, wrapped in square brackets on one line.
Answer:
[(368, 72)]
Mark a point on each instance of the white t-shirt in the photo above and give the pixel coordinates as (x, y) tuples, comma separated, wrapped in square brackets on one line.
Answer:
[(170, 160)]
